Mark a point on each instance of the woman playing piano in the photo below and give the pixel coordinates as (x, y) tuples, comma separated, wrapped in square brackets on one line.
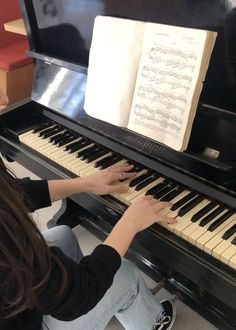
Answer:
[(51, 285), (38, 280)]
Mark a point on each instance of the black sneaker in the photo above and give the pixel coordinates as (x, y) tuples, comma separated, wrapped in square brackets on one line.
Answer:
[(167, 317)]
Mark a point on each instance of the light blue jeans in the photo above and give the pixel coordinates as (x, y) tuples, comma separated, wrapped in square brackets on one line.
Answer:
[(128, 298)]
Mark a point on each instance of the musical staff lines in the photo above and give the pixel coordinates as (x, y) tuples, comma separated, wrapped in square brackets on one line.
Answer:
[(165, 83)]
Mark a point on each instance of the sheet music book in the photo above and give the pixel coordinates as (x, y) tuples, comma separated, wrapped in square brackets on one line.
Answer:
[(147, 77)]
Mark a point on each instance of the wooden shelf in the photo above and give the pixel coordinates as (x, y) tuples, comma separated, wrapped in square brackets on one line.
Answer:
[(16, 26)]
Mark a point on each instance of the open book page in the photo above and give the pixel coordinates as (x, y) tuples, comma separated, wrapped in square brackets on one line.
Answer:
[(112, 71), (168, 78), (211, 38)]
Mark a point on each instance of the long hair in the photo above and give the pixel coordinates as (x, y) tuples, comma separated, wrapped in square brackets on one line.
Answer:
[(25, 259)]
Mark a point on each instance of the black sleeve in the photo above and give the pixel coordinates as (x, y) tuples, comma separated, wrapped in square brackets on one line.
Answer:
[(87, 282), (36, 193)]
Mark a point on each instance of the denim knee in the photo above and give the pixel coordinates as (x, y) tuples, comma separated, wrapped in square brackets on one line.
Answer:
[(62, 237), (58, 234), (128, 274)]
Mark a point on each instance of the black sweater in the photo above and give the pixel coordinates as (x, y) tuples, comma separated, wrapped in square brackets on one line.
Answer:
[(86, 282)]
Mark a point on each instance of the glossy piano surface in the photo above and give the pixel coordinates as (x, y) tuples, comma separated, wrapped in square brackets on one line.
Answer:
[(60, 34), (72, 20), (52, 91), (199, 218)]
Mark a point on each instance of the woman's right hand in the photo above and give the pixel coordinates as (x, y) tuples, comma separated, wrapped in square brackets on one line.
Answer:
[(140, 215), (145, 212)]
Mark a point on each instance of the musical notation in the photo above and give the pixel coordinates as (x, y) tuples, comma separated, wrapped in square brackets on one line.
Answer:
[(166, 98), (152, 74), (157, 119), (162, 125), (146, 112), (165, 82), (175, 59), (171, 51)]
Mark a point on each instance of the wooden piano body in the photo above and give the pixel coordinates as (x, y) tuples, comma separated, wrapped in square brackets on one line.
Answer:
[(60, 35)]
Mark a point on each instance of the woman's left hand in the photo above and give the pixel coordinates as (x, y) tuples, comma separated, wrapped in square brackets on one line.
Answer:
[(106, 181)]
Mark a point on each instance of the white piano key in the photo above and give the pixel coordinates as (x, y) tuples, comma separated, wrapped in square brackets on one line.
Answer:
[(141, 193), (125, 196), (228, 253), (220, 252), (24, 135), (59, 152), (210, 242), (185, 221), (193, 225), (217, 237), (232, 261), (89, 168), (202, 241)]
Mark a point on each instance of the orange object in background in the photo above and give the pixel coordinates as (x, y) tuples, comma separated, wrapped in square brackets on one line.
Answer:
[(3, 100), (16, 68)]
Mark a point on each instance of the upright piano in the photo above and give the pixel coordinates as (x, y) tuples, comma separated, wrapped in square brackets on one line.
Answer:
[(51, 135)]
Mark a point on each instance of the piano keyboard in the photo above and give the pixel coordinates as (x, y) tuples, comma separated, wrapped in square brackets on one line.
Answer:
[(201, 221)]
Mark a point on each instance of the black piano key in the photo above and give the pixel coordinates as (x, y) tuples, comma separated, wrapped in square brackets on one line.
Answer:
[(190, 205), (71, 145), (104, 160), (85, 151), (154, 190), (137, 167), (52, 132), (84, 148), (93, 157), (109, 161), (112, 162), (76, 146), (146, 182), (60, 135), (65, 141), (57, 138), (78, 138), (220, 220), (89, 152), (203, 211), (172, 194), (47, 130), (211, 215), (165, 190), (140, 178), (229, 232), (101, 162), (183, 200), (234, 241), (42, 127)]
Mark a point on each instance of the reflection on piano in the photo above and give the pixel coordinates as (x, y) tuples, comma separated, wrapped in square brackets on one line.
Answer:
[(53, 137)]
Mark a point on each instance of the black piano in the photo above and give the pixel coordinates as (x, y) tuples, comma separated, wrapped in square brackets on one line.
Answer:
[(51, 135)]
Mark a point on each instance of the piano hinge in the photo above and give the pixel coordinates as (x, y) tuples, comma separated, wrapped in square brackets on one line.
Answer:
[(212, 153)]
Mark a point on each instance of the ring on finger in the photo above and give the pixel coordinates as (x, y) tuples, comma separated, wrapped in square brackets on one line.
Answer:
[(121, 175), (154, 200)]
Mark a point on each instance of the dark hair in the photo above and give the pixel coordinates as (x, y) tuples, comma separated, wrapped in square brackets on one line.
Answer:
[(25, 259)]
